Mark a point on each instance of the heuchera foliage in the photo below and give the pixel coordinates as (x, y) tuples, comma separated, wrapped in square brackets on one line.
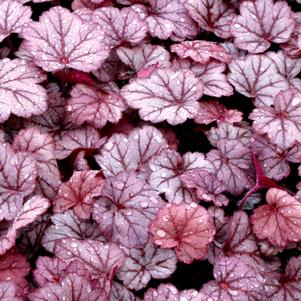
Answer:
[(150, 150)]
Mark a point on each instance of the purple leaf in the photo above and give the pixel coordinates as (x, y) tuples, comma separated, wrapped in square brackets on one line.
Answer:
[(31, 209), (120, 25), (74, 43), (78, 193), (212, 15), (121, 293), (279, 220), (68, 225), (8, 291), (141, 265), (262, 22), (20, 93), (127, 206), (94, 106), (167, 95), (84, 138), (206, 185), (264, 83), (187, 228), (13, 17), (168, 292), (17, 180), (144, 56), (212, 110), (166, 169), (201, 51), (281, 123), (232, 162), (42, 148), (72, 287), (130, 152)]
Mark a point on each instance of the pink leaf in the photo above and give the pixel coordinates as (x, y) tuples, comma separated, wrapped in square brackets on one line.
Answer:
[(124, 211), (289, 287), (187, 228), (141, 265), (31, 209), (212, 110), (130, 152), (279, 220), (78, 193), (120, 25), (169, 18), (94, 106), (72, 287), (121, 293), (264, 83), (100, 259), (20, 93), (68, 225), (17, 180), (8, 291), (261, 23), (74, 43), (207, 186), (166, 169), (167, 95), (12, 18), (235, 281), (201, 51), (168, 292), (212, 15), (85, 138), (292, 46), (42, 148), (281, 123), (144, 56), (232, 162)]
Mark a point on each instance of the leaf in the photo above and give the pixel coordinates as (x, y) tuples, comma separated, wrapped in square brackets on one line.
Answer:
[(120, 25), (212, 110), (61, 39), (261, 23), (31, 209), (99, 258), (17, 180), (166, 169), (235, 281), (68, 225), (169, 18), (72, 287), (264, 83), (20, 93), (12, 18), (279, 220), (273, 159), (8, 291), (124, 211), (42, 148), (141, 265), (168, 292), (232, 162), (144, 56), (214, 80), (206, 186), (187, 228), (281, 123), (212, 15), (167, 95), (286, 66), (130, 152), (201, 51), (85, 138), (121, 293), (94, 106), (289, 287), (78, 193)]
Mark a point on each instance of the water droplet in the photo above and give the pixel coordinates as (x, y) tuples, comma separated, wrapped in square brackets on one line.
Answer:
[(161, 233), (144, 204)]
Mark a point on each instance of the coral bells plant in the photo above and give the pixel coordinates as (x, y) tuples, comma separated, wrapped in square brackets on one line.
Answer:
[(150, 150)]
